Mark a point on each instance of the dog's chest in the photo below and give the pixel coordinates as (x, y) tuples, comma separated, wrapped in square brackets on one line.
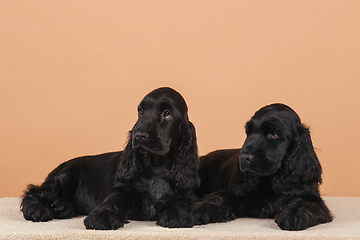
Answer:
[(157, 188)]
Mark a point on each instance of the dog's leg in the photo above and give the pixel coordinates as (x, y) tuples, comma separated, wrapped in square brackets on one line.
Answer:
[(213, 208), (51, 199), (176, 214), (300, 214), (112, 213)]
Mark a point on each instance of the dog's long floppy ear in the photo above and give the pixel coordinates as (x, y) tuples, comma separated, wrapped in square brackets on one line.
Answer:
[(301, 170), (129, 163), (186, 159)]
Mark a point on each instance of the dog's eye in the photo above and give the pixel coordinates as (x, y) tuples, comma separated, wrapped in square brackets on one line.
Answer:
[(166, 114), (140, 111), (272, 136)]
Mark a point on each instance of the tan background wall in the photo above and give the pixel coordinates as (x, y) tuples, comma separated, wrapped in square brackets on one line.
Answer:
[(73, 72)]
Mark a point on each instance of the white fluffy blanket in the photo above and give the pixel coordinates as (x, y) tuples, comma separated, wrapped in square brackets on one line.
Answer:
[(346, 225)]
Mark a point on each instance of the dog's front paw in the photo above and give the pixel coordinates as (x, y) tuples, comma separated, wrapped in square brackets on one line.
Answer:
[(295, 218), (205, 212), (35, 210), (104, 219), (63, 209), (175, 218)]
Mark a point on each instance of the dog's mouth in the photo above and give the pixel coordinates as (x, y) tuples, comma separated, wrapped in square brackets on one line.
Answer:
[(145, 150), (141, 150), (245, 167)]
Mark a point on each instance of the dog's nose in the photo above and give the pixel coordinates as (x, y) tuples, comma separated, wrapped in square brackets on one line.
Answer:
[(141, 136), (246, 158)]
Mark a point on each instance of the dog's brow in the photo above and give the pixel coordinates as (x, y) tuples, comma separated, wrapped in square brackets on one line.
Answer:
[(267, 126), (166, 105)]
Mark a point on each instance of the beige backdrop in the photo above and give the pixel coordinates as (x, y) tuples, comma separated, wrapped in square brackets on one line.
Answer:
[(73, 72)]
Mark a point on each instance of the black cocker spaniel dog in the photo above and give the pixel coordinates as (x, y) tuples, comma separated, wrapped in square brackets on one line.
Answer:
[(154, 178), (276, 174)]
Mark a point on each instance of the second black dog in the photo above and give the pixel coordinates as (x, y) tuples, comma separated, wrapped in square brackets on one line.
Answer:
[(276, 174)]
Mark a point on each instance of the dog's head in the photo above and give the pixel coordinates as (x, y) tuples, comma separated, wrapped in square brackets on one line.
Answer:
[(163, 132), (161, 116), (278, 144), (269, 133)]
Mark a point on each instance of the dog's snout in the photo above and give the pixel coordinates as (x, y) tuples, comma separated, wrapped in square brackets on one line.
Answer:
[(141, 136), (247, 157)]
